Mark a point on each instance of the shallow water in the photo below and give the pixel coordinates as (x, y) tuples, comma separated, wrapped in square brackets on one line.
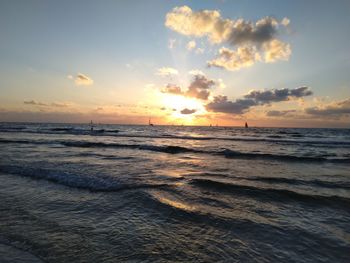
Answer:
[(140, 193)]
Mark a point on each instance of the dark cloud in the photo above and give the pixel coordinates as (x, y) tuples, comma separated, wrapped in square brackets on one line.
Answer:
[(38, 103), (247, 32), (333, 109), (188, 111), (255, 98), (300, 92), (199, 88), (35, 103), (277, 113), (172, 89), (221, 104), (276, 95)]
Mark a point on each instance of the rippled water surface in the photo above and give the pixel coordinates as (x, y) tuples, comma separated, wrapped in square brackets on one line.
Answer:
[(193, 194)]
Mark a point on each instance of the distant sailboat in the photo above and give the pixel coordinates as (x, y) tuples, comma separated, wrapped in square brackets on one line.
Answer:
[(95, 131), (91, 126), (246, 125), (149, 122)]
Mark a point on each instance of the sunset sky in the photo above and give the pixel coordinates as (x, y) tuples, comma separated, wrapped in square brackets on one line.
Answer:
[(271, 63)]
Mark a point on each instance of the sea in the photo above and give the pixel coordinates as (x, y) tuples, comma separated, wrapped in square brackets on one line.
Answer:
[(132, 193)]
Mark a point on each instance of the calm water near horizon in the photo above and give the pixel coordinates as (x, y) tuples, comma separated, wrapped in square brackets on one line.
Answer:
[(173, 193)]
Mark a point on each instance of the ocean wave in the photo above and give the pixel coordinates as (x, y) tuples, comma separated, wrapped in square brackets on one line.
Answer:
[(273, 180), (191, 212), (24, 141), (317, 183), (113, 131), (172, 149), (62, 129), (276, 195), (166, 148), (87, 182), (12, 128), (105, 156), (268, 139), (249, 155)]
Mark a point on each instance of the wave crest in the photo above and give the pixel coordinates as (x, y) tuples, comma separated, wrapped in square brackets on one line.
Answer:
[(275, 195)]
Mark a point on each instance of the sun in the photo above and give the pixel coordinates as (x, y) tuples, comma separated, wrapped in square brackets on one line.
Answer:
[(178, 103)]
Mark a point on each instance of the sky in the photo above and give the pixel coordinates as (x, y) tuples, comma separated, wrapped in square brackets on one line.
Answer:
[(268, 63)]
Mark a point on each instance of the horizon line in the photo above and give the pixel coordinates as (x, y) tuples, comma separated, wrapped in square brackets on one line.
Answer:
[(175, 125)]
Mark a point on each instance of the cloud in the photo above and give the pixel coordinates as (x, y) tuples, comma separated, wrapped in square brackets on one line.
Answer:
[(277, 95), (206, 22), (300, 92), (188, 111), (83, 80), (220, 84), (191, 45), (196, 72), (53, 104), (285, 21), (199, 88), (252, 40), (210, 23), (262, 31), (255, 98), (167, 71), (59, 104), (246, 56), (282, 113), (234, 60), (222, 104), (333, 109), (35, 103), (172, 89), (276, 50)]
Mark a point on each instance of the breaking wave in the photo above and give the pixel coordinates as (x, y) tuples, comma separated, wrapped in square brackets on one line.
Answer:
[(87, 182), (276, 195)]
